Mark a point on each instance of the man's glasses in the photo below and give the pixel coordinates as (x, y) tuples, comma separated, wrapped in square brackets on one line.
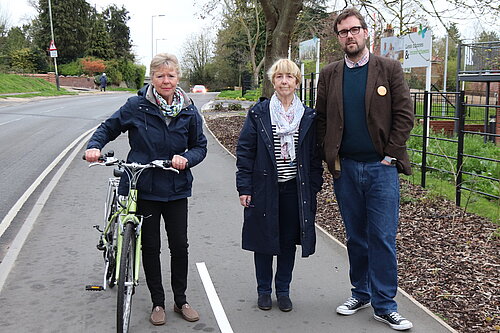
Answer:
[(354, 31)]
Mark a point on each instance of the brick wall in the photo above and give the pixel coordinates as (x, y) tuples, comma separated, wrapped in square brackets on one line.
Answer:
[(67, 81), (448, 126)]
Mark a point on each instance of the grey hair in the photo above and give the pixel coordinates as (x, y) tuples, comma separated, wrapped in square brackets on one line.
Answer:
[(164, 59)]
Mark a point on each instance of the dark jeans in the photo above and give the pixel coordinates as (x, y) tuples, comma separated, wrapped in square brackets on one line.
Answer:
[(175, 216), (368, 198), (289, 235)]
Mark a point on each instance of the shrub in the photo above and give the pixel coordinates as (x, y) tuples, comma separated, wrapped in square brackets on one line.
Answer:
[(73, 68), (92, 66)]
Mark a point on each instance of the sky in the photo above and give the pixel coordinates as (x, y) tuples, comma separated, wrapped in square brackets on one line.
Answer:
[(168, 34)]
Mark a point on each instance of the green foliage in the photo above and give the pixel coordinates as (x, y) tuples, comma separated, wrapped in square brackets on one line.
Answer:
[(73, 68), (119, 33), (23, 60), (113, 72), (12, 83), (250, 95), (473, 145)]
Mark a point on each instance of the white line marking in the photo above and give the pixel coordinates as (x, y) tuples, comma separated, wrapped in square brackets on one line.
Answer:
[(59, 108), (11, 121), (20, 202), (16, 246), (220, 315)]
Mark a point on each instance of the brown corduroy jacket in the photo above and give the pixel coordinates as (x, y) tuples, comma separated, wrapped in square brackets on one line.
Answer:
[(389, 111)]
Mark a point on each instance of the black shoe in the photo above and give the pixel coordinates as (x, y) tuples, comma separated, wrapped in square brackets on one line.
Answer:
[(351, 306), (264, 302), (395, 320), (284, 303)]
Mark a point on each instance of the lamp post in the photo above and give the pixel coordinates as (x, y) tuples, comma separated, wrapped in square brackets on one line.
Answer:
[(156, 43), (152, 30), (52, 35)]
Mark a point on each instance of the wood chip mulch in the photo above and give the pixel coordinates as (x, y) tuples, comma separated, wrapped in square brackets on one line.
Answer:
[(449, 260)]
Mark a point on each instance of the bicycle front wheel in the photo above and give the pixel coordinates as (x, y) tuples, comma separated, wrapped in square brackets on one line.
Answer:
[(126, 279)]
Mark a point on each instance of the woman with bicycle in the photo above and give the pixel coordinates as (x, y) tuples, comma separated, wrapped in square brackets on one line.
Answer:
[(162, 124), (279, 174)]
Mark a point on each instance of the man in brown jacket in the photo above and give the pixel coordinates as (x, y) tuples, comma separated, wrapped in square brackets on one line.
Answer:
[(365, 116)]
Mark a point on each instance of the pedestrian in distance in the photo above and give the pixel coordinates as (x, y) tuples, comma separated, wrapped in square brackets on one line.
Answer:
[(162, 124), (279, 173), (104, 81), (365, 116)]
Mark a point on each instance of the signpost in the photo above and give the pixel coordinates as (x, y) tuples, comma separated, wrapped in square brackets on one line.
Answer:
[(53, 49)]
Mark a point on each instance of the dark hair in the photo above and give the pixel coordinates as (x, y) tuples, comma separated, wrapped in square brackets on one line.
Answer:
[(345, 14)]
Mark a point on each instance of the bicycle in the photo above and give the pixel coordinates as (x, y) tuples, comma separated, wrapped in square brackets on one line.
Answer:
[(120, 240)]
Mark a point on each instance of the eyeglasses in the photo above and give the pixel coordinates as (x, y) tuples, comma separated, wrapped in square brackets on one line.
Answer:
[(354, 31)]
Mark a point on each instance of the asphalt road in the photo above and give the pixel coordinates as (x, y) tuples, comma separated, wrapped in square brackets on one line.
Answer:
[(44, 290)]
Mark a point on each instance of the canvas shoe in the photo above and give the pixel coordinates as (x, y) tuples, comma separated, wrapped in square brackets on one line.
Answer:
[(351, 306), (395, 320)]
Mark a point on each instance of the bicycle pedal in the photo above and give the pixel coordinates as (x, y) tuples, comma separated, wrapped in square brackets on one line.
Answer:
[(101, 246), (94, 288)]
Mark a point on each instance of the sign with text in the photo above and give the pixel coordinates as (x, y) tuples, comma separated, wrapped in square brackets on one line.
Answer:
[(412, 50)]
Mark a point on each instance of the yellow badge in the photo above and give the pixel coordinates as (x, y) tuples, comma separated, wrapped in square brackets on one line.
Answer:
[(381, 90)]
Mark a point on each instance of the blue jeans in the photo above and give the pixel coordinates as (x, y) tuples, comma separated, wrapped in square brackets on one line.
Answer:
[(368, 198), (289, 234)]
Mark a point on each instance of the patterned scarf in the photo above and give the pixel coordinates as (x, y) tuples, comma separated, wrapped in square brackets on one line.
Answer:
[(177, 103), (287, 123)]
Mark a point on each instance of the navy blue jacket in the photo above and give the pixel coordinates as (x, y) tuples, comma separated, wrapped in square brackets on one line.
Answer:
[(257, 176), (150, 138)]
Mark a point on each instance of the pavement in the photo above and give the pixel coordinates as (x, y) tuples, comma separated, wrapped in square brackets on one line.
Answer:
[(44, 291)]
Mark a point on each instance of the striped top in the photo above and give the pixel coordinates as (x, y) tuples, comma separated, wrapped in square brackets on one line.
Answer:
[(286, 169)]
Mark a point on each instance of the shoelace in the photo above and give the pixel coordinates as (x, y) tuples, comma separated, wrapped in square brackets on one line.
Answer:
[(351, 301), (396, 317)]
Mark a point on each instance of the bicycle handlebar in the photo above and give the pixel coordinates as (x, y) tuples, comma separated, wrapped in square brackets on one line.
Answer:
[(108, 160)]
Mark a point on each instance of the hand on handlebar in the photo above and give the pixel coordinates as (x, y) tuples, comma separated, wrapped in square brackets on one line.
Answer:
[(92, 155), (179, 162)]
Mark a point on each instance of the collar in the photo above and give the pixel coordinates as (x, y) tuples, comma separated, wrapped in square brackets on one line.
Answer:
[(361, 62)]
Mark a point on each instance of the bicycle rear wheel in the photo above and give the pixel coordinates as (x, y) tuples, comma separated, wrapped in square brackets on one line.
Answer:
[(126, 279)]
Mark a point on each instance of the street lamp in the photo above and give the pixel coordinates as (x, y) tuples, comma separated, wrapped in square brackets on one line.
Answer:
[(152, 29), (156, 43)]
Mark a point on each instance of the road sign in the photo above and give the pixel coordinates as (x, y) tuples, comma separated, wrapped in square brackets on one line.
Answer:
[(52, 46)]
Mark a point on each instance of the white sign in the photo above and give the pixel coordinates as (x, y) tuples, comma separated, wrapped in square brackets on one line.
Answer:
[(53, 53), (307, 49), (412, 50)]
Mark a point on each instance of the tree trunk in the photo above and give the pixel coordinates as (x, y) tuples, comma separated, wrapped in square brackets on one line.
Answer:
[(280, 20)]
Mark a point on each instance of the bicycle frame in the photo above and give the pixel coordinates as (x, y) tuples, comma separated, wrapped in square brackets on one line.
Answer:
[(125, 216)]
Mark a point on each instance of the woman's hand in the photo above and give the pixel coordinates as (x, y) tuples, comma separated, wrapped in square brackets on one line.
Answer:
[(179, 162), (92, 155), (245, 200)]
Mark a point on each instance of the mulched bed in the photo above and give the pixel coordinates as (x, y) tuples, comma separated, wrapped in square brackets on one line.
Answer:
[(448, 259)]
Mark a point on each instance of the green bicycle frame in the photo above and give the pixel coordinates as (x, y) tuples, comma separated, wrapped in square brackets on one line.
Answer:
[(126, 215)]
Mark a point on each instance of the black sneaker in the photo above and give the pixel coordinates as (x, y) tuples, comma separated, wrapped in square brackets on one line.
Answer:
[(351, 306), (284, 303), (264, 302), (395, 320)]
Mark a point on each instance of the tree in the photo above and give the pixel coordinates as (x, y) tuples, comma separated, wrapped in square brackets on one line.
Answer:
[(119, 32), (100, 42), (196, 56), (280, 20), (71, 21), (406, 13)]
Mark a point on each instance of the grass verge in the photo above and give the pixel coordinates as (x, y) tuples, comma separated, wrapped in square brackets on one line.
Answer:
[(29, 86)]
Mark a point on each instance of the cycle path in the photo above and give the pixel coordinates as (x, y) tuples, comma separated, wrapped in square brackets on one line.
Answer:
[(45, 290)]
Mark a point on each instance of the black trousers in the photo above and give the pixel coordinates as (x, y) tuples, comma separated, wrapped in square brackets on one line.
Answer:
[(174, 214)]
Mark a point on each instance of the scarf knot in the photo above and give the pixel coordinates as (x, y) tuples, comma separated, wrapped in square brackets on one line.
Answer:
[(177, 103)]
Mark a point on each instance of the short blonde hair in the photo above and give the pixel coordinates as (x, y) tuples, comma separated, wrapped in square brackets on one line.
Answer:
[(164, 59), (284, 66)]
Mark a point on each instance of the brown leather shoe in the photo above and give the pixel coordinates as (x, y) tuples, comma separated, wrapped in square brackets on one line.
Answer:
[(187, 312), (157, 316)]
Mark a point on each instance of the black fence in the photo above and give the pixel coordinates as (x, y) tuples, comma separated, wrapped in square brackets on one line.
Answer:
[(458, 118)]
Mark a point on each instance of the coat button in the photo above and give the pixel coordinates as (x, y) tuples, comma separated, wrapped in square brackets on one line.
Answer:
[(305, 220), (303, 183), (264, 214), (305, 201)]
